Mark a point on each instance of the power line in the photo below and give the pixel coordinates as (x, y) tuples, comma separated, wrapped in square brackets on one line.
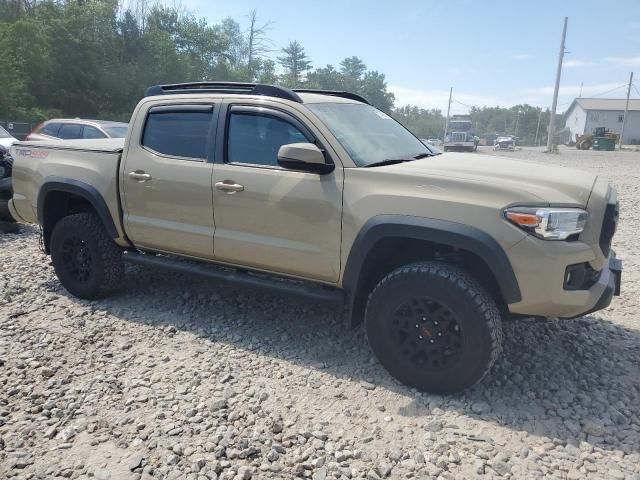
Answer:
[(454, 100), (598, 94), (463, 104), (609, 91)]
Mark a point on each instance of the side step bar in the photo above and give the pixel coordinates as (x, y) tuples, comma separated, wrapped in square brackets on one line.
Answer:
[(246, 279)]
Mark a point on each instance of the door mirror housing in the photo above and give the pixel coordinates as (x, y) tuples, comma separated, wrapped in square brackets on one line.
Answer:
[(303, 157)]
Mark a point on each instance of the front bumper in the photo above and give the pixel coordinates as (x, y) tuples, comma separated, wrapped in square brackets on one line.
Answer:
[(540, 268), (611, 290)]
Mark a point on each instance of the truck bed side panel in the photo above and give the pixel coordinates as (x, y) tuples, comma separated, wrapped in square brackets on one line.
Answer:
[(94, 164)]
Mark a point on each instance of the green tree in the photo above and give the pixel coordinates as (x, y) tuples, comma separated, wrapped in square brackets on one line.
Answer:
[(295, 62), (327, 78), (374, 88)]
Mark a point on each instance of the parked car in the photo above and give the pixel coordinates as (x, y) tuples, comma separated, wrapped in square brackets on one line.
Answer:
[(430, 251), (506, 142), (71, 129), (6, 139), (6, 190), (435, 141)]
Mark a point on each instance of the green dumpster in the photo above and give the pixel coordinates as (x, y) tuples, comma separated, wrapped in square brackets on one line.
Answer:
[(604, 143)]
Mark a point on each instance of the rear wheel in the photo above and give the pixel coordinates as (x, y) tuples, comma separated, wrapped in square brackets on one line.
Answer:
[(87, 262), (433, 327)]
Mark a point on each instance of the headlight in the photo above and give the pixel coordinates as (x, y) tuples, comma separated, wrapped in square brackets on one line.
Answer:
[(548, 223)]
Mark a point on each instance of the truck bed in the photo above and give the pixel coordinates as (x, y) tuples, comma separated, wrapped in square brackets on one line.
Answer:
[(94, 163)]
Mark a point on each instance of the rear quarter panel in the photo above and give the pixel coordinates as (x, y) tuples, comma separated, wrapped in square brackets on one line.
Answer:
[(94, 162)]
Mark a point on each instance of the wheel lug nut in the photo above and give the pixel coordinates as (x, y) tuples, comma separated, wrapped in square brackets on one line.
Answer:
[(420, 337), (424, 319), (435, 322), (431, 340), (417, 326), (439, 334)]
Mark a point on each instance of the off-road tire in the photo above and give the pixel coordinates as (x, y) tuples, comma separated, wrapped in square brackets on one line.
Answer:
[(466, 301), (105, 257)]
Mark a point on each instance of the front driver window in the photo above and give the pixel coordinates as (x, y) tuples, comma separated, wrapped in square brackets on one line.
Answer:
[(256, 139)]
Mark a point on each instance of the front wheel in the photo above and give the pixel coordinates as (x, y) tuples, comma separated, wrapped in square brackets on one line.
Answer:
[(87, 262), (433, 327)]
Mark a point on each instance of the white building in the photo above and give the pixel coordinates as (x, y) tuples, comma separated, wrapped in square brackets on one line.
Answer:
[(586, 114)]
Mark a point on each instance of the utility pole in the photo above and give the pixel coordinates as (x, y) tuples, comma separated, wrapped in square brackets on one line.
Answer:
[(626, 109), (538, 127), (446, 125), (517, 122), (554, 104)]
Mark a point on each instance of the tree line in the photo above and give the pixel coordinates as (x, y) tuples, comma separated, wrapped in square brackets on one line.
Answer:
[(95, 58)]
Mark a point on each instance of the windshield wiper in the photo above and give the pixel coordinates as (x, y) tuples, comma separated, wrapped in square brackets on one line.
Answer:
[(389, 161), (393, 161)]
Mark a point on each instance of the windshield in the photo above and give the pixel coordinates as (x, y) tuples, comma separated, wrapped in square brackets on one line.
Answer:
[(116, 132), (367, 134), (4, 133)]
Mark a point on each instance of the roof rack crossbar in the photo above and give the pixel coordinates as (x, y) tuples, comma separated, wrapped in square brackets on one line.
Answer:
[(335, 93), (224, 87)]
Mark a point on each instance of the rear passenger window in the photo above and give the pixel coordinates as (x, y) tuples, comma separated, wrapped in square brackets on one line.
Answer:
[(70, 131), (50, 129), (178, 131), (92, 132)]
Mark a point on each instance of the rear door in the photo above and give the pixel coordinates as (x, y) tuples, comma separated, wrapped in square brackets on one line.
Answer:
[(166, 179)]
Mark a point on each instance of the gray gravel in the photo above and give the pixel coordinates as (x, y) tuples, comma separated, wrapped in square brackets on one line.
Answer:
[(176, 377)]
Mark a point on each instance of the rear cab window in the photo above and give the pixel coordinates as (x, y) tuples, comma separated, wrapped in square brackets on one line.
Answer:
[(180, 131)]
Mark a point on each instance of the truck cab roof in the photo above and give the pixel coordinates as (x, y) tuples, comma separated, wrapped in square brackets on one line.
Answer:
[(238, 88)]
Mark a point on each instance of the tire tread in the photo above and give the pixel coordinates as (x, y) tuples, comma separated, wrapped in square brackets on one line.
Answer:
[(469, 287)]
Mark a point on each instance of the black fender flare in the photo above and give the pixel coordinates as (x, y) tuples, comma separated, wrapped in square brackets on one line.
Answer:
[(458, 235), (81, 189)]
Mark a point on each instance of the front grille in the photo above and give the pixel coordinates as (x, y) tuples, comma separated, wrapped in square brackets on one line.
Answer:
[(609, 225), (459, 137)]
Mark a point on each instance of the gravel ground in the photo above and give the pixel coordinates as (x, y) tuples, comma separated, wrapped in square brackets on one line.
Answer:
[(175, 377)]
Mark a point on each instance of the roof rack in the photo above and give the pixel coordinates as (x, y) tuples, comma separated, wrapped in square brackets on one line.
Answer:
[(224, 87), (335, 93)]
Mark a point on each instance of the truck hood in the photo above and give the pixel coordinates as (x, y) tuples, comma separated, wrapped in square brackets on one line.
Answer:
[(549, 184)]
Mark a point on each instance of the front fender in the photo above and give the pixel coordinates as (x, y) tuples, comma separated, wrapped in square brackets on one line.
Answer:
[(457, 235)]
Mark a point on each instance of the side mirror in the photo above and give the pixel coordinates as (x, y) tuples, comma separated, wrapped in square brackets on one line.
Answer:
[(303, 157)]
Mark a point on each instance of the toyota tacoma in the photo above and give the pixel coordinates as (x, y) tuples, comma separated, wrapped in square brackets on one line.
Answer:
[(317, 193)]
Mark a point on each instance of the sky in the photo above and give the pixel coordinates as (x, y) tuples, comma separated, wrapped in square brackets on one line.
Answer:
[(491, 52)]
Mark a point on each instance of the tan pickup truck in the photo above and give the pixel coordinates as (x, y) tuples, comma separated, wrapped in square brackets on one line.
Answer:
[(317, 193)]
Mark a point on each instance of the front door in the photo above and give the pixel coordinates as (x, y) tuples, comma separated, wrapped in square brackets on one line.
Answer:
[(269, 218), (166, 180)]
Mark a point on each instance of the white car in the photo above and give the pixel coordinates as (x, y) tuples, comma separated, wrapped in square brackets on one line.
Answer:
[(6, 140)]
